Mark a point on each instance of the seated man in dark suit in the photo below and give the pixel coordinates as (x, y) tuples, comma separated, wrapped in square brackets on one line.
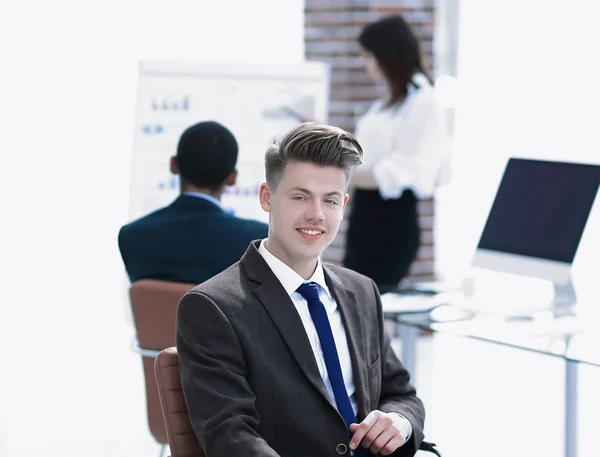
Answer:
[(192, 239), (282, 355)]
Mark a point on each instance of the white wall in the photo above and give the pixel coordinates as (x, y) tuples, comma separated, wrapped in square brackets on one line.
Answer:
[(529, 86), (67, 97)]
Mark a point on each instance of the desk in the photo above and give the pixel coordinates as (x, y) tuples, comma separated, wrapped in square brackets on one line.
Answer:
[(568, 337)]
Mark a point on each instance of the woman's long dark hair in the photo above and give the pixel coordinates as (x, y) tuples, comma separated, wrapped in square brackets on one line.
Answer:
[(397, 50)]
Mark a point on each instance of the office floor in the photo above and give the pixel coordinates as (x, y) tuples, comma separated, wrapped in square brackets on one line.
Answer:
[(482, 401)]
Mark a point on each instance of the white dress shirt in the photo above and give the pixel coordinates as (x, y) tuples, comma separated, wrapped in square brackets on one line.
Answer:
[(290, 280), (405, 146)]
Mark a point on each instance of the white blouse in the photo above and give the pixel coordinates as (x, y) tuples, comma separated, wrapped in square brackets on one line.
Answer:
[(404, 146)]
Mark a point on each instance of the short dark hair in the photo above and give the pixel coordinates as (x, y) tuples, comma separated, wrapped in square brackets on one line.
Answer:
[(206, 154), (397, 51), (319, 144)]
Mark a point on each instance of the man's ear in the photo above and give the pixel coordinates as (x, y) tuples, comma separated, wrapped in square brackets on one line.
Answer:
[(264, 195), (174, 166), (231, 178), (346, 198)]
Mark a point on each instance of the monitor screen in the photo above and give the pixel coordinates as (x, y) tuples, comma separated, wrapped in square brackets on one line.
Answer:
[(541, 208)]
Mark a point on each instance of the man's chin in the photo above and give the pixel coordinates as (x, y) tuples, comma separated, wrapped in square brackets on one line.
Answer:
[(315, 249)]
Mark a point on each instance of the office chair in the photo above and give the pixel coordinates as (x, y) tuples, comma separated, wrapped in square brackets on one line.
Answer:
[(181, 438), (180, 435), (154, 308)]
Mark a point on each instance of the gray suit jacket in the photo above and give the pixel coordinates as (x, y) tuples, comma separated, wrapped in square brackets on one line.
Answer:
[(249, 376)]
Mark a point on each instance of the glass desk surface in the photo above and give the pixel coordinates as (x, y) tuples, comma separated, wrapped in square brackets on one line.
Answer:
[(571, 334)]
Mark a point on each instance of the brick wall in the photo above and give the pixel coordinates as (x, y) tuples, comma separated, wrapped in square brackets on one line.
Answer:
[(331, 29)]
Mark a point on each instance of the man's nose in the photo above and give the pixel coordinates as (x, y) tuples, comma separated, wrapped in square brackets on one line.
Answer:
[(315, 212)]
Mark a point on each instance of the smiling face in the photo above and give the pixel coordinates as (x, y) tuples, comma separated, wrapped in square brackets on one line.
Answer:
[(305, 211)]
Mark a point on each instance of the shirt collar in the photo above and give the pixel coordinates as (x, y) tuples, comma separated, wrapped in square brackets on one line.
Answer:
[(209, 198), (289, 279)]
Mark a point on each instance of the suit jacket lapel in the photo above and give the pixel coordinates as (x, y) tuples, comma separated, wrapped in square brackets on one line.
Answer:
[(280, 307), (350, 311)]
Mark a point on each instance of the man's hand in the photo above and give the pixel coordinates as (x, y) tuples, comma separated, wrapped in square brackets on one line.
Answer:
[(380, 432)]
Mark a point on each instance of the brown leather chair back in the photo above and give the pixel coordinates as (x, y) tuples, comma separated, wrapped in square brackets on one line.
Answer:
[(181, 438), (154, 306)]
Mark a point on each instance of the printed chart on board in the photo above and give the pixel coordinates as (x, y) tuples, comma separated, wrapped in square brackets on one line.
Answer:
[(258, 103)]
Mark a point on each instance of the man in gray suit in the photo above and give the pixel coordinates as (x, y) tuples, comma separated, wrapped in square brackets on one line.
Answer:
[(282, 355)]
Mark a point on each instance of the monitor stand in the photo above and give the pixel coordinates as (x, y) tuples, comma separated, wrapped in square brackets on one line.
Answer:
[(561, 304), (480, 299), (564, 295)]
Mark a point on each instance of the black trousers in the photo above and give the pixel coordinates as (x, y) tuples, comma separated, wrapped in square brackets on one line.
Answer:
[(383, 237)]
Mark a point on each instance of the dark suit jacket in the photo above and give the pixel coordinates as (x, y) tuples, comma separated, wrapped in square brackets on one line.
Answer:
[(249, 376), (190, 241)]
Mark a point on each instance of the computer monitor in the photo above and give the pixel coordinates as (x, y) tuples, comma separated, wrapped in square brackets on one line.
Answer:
[(536, 221)]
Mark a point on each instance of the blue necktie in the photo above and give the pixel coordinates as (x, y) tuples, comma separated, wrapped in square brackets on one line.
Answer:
[(310, 292)]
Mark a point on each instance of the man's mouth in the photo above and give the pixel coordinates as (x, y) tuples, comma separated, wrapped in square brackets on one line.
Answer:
[(311, 232)]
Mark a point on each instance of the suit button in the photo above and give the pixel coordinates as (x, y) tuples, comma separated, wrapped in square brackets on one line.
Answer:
[(341, 449)]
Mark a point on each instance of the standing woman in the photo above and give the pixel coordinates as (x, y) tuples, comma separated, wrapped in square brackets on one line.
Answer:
[(404, 141)]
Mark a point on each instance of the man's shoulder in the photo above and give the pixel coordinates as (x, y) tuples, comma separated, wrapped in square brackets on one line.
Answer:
[(252, 225), (148, 219), (348, 277), (228, 291), (223, 285), (134, 229)]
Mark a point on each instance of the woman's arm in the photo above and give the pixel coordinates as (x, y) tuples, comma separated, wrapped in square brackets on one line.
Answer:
[(419, 144)]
